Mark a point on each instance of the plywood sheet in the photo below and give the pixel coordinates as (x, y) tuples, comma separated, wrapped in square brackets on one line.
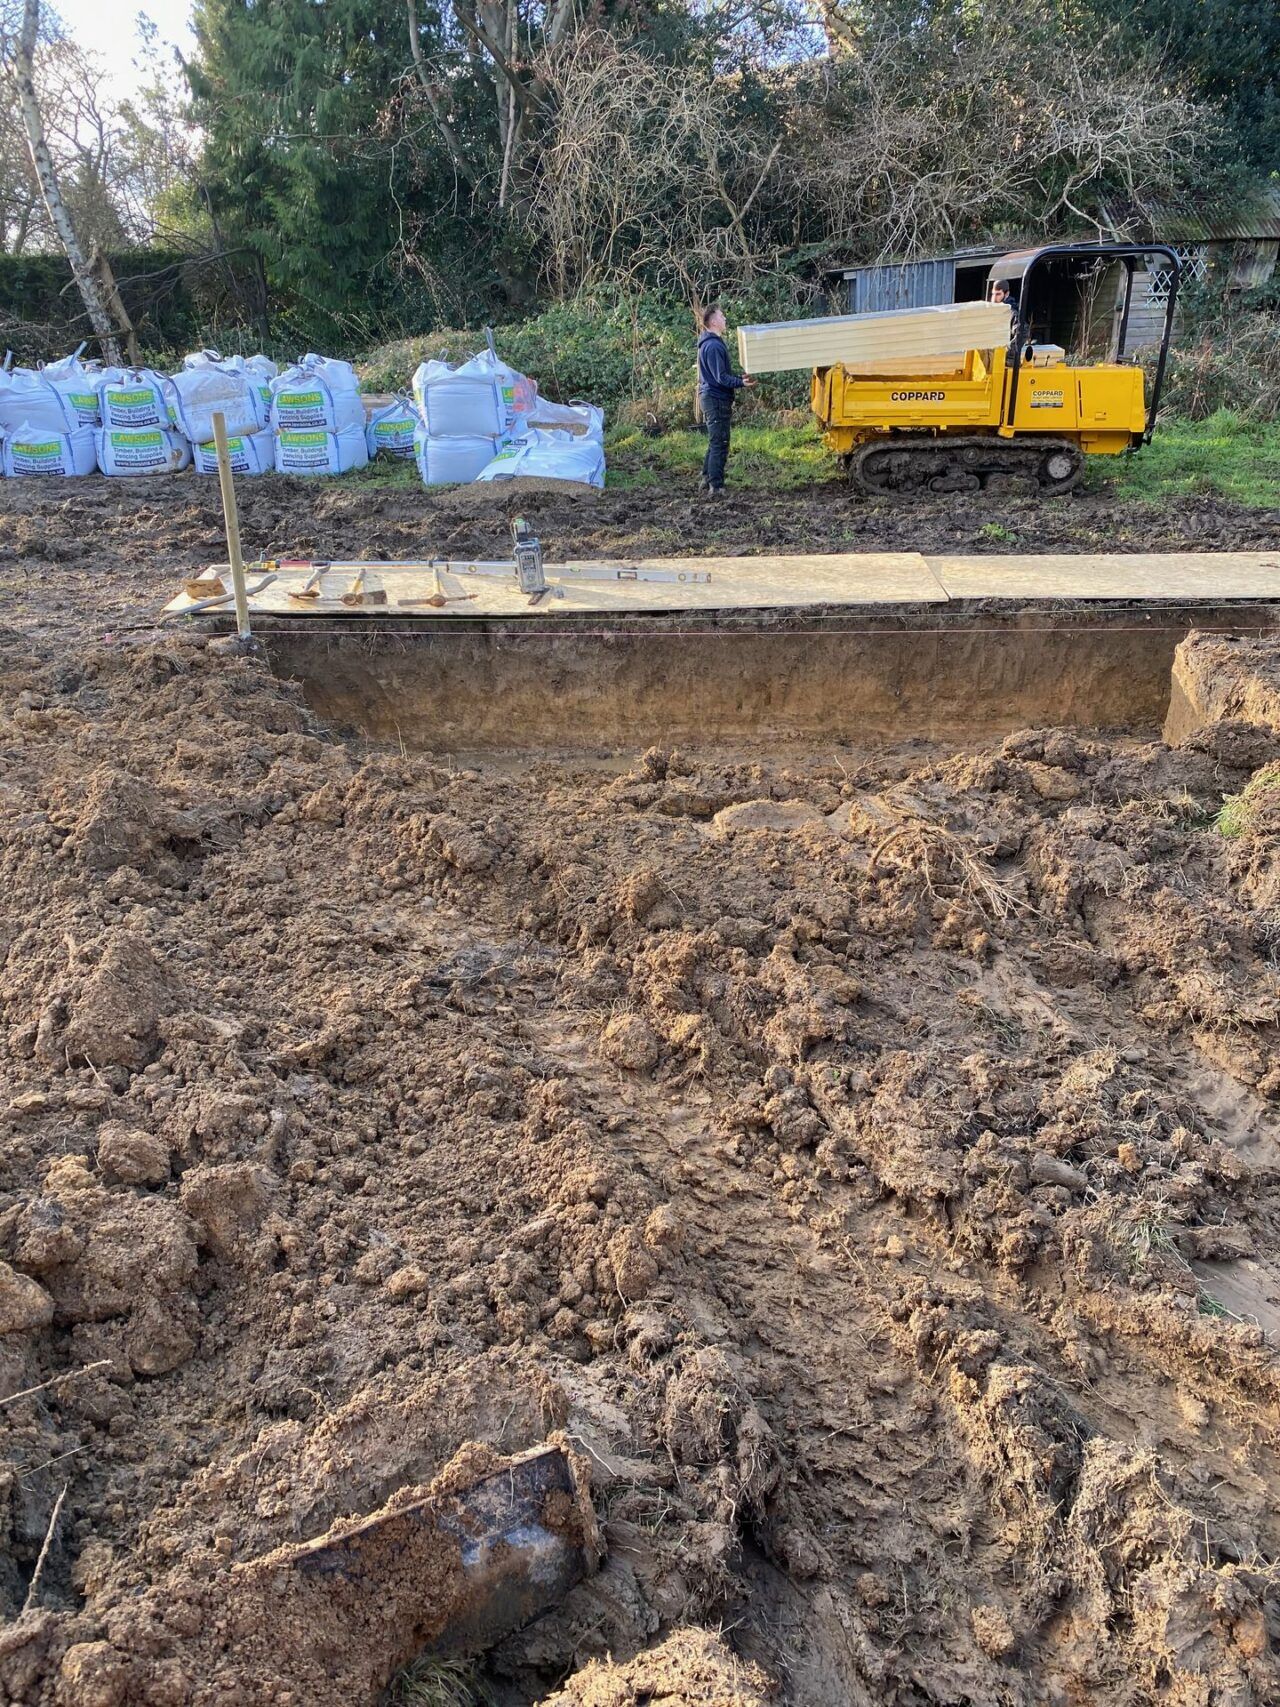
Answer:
[(914, 337), (1113, 575), (735, 583)]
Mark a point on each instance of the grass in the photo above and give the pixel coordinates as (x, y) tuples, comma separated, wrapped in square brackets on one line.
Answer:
[(1242, 813), (388, 473), (769, 456), (774, 456), (1223, 456), (431, 1682)]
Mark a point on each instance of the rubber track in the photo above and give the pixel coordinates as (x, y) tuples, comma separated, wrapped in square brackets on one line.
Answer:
[(977, 455)]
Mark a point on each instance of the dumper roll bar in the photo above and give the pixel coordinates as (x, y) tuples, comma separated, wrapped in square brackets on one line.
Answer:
[(1023, 263)]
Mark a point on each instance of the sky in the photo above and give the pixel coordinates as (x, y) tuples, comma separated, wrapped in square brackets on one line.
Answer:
[(108, 29)]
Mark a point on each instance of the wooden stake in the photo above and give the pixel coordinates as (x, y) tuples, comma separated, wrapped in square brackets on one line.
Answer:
[(231, 518)]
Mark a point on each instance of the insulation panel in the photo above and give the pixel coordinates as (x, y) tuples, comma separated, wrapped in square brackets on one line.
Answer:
[(910, 340)]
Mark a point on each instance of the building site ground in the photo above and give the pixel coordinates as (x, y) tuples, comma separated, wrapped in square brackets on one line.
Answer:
[(865, 1159)]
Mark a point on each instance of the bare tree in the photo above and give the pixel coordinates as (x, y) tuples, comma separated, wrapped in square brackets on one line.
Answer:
[(506, 45), (20, 203), (643, 170), (919, 140), (91, 268)]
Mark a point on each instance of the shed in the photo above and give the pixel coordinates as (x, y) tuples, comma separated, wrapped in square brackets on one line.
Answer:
[(1240, 238)]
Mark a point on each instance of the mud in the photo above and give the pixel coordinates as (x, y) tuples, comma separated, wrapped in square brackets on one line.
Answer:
[(866, 1161)]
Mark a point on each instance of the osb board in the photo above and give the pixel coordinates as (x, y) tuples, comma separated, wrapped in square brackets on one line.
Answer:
[(736, 583), (906, 335), (1142, 575)]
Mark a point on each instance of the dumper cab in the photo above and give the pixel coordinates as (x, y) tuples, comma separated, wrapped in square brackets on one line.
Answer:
[(1029, 410)]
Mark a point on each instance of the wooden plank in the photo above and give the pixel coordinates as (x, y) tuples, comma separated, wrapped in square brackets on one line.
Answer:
[(736, 583), (1112, 575), (906, 336)]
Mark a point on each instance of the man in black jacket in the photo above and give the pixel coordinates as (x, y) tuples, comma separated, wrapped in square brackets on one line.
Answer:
[(717, 383)]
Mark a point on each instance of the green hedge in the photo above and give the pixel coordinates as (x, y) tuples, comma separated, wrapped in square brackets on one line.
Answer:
[(635, 356), (43, 316)]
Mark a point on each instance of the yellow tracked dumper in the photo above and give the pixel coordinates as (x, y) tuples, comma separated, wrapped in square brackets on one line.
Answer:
[(1016, 417)]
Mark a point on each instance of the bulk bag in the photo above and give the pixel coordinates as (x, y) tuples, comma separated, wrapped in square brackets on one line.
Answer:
[(250, 453), (259, 371), (548, 456), (318, 452), (212, 388), (136, 397), (30, 402), (480, 399), (76, 383), (31, 450), (317, 394), (58, 399), (518, 392), (452, 461), (583, 419), (389, 431), (141, 450), (425, 374)]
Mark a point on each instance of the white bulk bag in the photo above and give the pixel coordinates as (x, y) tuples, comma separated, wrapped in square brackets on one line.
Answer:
[(480, 399), (261, 371), (31, 450), (314, 451), (389, 431), (141, 450), (452, 461), (76, 382), (131, 398), (258, 370), (29, 401), (215, 388), (584, 419), (549, 456), (518, 392), (317, 393), (56, 399), (250, 453), (425, 374)]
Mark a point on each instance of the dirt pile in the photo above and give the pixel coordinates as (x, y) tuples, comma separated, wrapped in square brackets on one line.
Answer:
[(692, 1668), (866, 1161)]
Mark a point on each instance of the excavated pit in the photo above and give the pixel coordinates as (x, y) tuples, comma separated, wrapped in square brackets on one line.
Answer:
[(971, 669)]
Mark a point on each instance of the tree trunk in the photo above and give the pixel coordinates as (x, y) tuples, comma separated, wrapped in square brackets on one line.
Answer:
[(95, 281)]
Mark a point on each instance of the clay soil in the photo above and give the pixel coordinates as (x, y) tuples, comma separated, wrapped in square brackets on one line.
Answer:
[(864, 1162)]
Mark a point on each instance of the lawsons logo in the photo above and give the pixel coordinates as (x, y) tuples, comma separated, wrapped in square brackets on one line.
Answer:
[(300, 399), (917, 396), (131, 441), (297, 440), (129, 399), (49, 448)]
